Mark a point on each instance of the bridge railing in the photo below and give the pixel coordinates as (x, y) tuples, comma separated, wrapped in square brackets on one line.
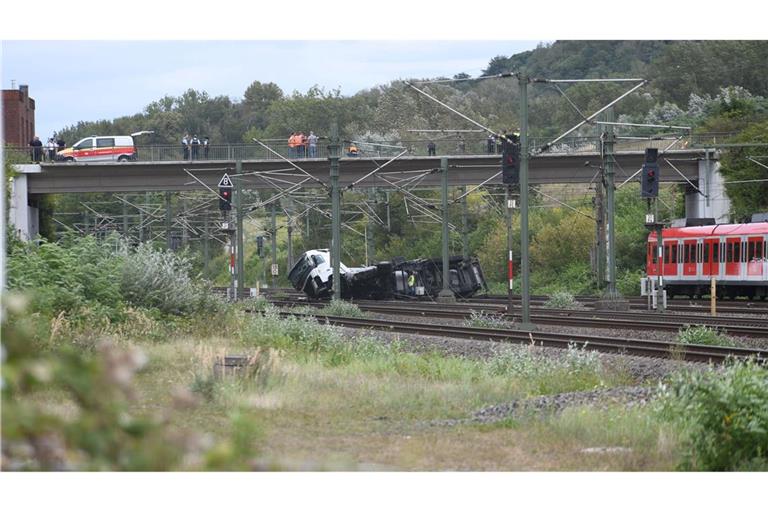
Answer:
[(449, 146)]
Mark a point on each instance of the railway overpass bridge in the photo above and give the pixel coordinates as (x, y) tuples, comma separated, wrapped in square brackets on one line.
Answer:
[(695, 167)]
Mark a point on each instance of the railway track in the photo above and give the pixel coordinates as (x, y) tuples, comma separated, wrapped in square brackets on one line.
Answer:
[(736, 307), (627, 346), (739, 307), (737, 326)]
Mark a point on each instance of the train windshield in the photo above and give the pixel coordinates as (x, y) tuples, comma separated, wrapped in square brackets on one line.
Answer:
[(300, 271)]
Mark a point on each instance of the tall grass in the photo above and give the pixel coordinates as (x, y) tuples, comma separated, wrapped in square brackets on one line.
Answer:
[(723, 415)]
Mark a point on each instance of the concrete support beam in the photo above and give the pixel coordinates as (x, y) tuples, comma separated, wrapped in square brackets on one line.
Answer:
[(23, 218), (712, 202)]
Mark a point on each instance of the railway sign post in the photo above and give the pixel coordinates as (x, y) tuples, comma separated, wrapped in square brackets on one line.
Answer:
[(445, 295), (525, 323), (652, 223), (333, 157)]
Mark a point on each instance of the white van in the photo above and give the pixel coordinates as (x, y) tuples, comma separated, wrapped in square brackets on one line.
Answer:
[(110, 148)]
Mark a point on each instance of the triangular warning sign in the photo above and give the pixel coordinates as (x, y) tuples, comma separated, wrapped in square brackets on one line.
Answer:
[(225, 181)]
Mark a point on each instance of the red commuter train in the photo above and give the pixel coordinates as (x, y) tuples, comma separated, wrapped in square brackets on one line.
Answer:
[(734, 254)]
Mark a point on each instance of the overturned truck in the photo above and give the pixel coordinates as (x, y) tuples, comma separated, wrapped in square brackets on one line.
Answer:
[(399, 278)]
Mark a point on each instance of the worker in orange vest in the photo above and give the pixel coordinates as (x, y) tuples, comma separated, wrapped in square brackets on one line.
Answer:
[(292, 145)]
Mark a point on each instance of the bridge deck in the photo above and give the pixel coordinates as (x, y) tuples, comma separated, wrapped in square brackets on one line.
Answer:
[(262, 174)]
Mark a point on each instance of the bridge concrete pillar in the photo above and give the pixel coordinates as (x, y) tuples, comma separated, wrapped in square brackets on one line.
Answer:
[(712, 202), (23, 217)]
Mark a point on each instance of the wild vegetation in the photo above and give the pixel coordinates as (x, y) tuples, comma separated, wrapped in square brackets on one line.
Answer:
[(137, 389)]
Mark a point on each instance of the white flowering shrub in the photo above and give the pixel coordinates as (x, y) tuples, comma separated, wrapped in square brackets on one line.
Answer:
[(161, 280)]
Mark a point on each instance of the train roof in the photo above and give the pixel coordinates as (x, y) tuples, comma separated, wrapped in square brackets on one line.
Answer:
[(754, 228)]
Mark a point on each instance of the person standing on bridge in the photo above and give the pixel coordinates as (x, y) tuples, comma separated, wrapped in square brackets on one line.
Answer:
[(36, 151), (312, 141), (195, 143), (491, 144), (51, 149), (185, 147), (431, 148), (302, 145), (292, 145), (205, 147)]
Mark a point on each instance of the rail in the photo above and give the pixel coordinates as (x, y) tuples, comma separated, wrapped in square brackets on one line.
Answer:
[(448, 145)]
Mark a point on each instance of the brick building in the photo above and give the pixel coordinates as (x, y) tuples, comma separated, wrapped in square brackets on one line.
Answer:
[(18, 116)]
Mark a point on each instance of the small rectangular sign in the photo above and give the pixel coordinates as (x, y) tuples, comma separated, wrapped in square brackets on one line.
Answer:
[(649, 218), (511, 203), (275, 269)]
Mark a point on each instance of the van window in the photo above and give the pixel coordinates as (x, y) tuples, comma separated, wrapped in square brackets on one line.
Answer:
[(105, 143), (84, 144)]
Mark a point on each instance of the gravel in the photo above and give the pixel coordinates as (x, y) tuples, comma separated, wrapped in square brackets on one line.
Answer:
[(552, 404)]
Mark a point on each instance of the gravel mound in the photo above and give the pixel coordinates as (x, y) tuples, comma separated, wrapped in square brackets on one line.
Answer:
[(553, 404)]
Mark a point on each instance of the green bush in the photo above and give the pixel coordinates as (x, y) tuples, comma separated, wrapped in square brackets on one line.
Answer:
[(96, 424), (578, 369), (628, 282), (72, 276), (488, 320), (724, 416), (343, 308), (562, 300), (161, 280), (703, 335)]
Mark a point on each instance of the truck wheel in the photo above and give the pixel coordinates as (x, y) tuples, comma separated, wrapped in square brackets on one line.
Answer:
[(122, 158)]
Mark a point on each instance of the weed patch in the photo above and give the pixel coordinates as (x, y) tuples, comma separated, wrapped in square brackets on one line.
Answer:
[(723, 415)]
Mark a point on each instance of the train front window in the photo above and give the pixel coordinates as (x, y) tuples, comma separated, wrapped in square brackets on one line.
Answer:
[(299, 271)]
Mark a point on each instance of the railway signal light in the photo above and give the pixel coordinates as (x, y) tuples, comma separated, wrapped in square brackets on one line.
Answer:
[(225, 198), (260, 245), (650, 180), (510, 161)]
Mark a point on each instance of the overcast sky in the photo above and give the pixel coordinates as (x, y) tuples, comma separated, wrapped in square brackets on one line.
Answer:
[(73, 81)]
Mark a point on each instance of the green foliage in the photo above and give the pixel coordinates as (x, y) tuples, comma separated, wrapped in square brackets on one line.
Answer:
[(343, 308), (562, 300), (703, 67), (161, 280), (703, 335), (751, 197), (628, 282), (578, 369), (724, 416), (488, 320), (94, 425), (73, 276), (92, 282)]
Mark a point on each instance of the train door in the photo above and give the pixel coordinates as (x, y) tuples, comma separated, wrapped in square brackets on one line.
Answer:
[(732, 256), (669, 268), (755, 258), (653, 259), (689, 257), (711, 257)]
